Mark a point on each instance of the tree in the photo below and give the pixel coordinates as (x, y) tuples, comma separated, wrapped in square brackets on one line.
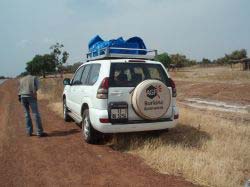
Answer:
[(232, 57), (47, 63), (59, 57), (179, 60), (174, 60), (33, 66), (164, 59), (238, 54), (205, 61), (71, 68), (41, 64), (22, 74)]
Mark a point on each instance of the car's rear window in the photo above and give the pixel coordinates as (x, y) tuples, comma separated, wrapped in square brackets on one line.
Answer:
[(131, 74)]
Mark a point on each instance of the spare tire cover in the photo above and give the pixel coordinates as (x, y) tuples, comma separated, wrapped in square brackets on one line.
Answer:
[(151, 99)]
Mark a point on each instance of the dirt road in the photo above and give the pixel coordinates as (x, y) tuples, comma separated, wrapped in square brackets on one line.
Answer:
[(62, 159), (225, 100), (227, 92)]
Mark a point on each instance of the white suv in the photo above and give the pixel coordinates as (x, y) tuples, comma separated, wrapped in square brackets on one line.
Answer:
[(120, 95)]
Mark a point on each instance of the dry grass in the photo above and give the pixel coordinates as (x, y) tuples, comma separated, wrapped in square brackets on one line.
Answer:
[(51, 90), (203, 149), (211, 74), (57, 108)]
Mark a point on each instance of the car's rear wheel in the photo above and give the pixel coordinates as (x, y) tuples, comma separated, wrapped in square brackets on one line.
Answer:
[(90, 135), (66, 116)]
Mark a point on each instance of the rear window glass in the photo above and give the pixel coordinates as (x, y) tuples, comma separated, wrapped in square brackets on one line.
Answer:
[(131, 74)]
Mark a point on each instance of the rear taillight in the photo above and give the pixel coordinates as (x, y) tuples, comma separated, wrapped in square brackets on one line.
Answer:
[(176, 116), (104, 120), (172, 84), (102, 92)]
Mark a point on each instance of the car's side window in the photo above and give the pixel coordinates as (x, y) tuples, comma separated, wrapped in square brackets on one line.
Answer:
[(77, 78), (85, 74), (94, 74)]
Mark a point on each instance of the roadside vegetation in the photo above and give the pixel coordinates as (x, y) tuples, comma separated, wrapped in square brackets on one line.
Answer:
[(55, 62), (174, 61), (51, 63), (204, 148), (199, 73), (51, 90), (4, 77)]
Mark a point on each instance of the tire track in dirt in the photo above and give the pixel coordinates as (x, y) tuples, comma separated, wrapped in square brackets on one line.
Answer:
[(63, 159), (226, 92)]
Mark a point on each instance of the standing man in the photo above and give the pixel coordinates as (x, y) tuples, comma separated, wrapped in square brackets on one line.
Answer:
[(28, 87)]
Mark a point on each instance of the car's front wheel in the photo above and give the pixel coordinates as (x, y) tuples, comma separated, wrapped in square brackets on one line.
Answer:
[(90, 135)]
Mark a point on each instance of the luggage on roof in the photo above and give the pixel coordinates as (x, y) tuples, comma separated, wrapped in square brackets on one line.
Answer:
[(117, 48)]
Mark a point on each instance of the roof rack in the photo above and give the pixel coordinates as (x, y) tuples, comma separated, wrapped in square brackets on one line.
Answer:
[(108, 53)]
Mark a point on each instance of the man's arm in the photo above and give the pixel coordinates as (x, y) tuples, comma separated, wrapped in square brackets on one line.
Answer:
[(19, 96), (37, 84)]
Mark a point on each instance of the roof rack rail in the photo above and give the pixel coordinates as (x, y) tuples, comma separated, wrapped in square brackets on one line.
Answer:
[(108, 53)]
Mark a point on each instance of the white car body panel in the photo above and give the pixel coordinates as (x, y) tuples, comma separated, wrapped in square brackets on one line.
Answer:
[(77, 96)]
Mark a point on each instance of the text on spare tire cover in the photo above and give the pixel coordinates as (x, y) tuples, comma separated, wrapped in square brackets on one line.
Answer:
[(151, 93)]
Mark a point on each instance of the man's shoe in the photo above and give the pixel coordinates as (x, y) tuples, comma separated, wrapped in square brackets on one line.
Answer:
[(44, 134), (29, 134)]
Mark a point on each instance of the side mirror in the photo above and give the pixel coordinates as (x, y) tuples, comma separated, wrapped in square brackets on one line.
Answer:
[(66, 81)]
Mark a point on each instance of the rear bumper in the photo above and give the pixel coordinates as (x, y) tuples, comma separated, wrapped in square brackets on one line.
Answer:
[(127, 127)]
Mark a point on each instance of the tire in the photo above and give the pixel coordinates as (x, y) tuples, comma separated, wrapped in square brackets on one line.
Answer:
[(151, 99), (66, 116), (162, 131), (90, 135)]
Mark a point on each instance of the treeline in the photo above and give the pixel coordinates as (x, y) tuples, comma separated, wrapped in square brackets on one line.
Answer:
[(47, 63), (3, 77), (71, 68), (179, 60), (54, 62)]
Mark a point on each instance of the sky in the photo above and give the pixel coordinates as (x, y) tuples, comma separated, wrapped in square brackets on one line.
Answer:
[(196, 28)]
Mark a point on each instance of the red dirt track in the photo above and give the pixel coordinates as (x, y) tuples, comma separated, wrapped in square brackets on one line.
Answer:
[(62, 158)]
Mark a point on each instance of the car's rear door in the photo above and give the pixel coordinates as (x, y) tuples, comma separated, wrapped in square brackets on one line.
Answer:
[(80, 91), (124, 77)]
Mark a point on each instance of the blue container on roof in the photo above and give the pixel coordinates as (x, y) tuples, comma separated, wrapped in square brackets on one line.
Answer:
[(97, 43)]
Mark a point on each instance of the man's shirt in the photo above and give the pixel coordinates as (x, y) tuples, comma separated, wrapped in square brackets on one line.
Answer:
[(28, 85)]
